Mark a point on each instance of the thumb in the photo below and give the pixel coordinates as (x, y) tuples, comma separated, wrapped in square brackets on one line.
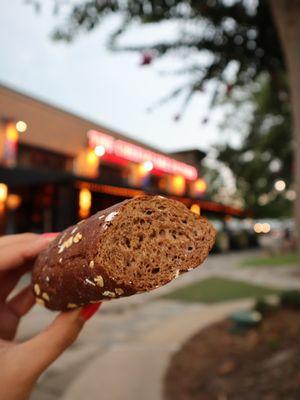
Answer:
[(47, 346)]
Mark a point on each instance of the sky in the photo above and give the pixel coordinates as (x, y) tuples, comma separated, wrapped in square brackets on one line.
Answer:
[(87, 79)]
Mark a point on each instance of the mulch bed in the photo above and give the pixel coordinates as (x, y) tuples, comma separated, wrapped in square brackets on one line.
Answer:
[(260, 364)]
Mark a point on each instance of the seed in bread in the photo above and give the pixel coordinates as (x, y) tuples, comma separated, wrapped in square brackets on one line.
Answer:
[(132, 247)]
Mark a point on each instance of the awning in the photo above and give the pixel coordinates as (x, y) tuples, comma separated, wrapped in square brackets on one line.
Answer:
[(17, 176)]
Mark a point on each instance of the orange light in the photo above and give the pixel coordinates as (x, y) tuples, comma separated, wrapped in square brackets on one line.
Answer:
[(91, 158), (195, 208), (10, 149), (144, 168), (86, 163), (140, 169), (200, 185), (178, 185), (13, 201), (85, 202), (3, 192), (11, 132)]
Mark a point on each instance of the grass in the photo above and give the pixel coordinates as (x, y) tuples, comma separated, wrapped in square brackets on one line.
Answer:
[(271, 261), (214, 290)]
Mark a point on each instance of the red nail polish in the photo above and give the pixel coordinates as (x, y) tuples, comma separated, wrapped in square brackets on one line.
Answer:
[(88, 311), (50, 235)]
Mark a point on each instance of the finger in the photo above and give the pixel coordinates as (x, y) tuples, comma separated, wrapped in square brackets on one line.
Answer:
[(20, 304), (16, 255), (9, 281), (54, 340), (13, 310), (18, 238)]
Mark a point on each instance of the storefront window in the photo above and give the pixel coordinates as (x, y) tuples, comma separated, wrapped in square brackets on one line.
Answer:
[(29, 156)]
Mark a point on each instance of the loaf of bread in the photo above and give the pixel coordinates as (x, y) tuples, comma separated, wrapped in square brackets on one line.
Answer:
[(135, 246)]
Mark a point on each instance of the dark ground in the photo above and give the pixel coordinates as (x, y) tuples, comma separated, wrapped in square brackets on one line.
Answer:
[(262, 364)]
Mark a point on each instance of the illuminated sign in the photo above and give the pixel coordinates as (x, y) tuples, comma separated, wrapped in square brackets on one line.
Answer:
[(135, 153)]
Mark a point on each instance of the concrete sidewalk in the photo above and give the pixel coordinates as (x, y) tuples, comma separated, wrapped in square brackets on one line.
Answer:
[(135, 370)]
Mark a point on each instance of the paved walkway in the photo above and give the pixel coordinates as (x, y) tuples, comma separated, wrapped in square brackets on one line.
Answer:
[(135, 336), (135, 370)]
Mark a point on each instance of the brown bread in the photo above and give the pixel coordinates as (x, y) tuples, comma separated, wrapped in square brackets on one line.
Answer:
[(135, 246)]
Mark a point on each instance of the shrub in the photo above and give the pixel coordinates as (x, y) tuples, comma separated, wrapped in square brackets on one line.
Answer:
[(261, 306), (291, 299)]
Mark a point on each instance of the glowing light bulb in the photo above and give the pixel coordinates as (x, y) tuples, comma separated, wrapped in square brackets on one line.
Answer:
[(21, 126), (99, 151), (3, 192), (148, 166), (200, 185), (85, 202)]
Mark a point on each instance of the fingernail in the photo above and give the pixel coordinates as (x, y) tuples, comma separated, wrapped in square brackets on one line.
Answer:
[(50, 235), (88, 311)]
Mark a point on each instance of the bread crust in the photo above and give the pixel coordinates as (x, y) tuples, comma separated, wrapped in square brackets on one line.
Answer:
[(68, 273)]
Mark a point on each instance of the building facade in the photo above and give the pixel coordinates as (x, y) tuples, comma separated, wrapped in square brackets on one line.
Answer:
[(56, 167)]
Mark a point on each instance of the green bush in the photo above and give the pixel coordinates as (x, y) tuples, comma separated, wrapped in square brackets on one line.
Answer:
[(291, 299), (261, 306), (266, 305)]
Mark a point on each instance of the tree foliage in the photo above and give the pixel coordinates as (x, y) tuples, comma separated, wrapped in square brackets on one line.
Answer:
[(239, 33), (266, 153)]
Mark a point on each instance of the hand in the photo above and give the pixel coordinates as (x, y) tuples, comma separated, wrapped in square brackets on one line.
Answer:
[(22, 363)]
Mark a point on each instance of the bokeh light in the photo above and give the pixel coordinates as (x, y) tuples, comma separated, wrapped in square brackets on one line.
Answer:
[(99, 151), (21, 126), (266, 228), (200, 185), (148, 166), (85, 202), (195, 208), (13, 201), (3, 192), (291, 195), (258, 228), (280, 185)]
